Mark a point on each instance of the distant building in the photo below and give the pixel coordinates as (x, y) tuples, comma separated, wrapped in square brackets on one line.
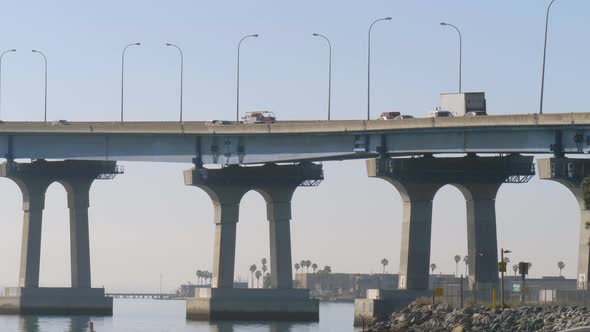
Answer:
[(536, 287), (344, 284), (189, 290)]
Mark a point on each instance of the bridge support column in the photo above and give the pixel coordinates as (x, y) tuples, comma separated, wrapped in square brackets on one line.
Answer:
[(33, 192), (227, 209), (482, 244), (78, 203), (226, 187), (416, 234), (418, 180), (571, 173), (278, 207), (33, 179)]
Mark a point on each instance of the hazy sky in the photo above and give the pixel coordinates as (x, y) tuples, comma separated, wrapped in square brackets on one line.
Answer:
[(146, 222)]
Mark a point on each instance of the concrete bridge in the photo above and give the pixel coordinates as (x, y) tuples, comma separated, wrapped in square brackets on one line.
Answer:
[(287, 151), (294, 141)]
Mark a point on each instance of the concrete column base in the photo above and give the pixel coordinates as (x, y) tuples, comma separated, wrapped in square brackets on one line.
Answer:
[(380, 304), (211, 304), (56, 301)]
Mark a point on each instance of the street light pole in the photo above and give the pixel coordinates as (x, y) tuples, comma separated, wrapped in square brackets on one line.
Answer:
[(181, 74), (329, 71), (238, 79), (460, 50), (123, 74), (45, 58), (369, 67), (544, 55), (1, 56)]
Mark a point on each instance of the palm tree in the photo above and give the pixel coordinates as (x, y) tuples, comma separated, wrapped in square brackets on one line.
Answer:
[(515, 269), (314, 267), (252, 270), (307, 265), (384, 262), (199, 275), (297, 266), (266, 283), (264, 268), (302, 263), (433, 267), (560, 266), (263, 260), (466, 261), (327, 269), (457, 260), (258, 275)]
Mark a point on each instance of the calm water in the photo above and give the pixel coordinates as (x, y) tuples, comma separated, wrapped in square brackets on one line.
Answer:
[(156, 316)]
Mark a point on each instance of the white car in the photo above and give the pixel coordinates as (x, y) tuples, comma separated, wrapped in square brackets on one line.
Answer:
[(60, 122), (389, 115), (217, 122)]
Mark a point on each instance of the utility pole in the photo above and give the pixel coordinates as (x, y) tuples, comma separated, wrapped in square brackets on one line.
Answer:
[(502, 266), (523, 269), (160, 286)]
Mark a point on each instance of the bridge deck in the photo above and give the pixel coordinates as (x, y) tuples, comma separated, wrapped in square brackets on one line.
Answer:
[(295, 127), (291, 141)]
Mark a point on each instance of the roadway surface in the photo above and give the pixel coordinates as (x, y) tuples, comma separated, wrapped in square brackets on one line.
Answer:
[(295, 127)]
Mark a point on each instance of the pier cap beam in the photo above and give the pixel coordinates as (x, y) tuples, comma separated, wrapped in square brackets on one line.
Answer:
[(302, 174)]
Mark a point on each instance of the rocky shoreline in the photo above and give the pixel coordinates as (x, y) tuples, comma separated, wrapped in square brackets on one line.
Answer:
[(421, 317)]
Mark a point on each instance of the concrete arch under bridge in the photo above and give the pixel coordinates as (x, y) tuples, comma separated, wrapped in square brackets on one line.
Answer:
[(478, 179), (33, 179), (12, 215), (226, 187), (574, 174)]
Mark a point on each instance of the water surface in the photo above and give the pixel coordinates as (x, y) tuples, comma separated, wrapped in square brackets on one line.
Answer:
[(160, 316)]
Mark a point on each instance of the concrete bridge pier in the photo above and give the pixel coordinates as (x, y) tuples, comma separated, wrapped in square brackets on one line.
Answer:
[(418, 180), (33, 193), (33, 179), (571, 173), (226, 186), (482, 243), (278, 211), (226, 215), (416, 233)]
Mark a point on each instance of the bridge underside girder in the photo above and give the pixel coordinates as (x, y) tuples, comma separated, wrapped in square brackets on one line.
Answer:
[(233, 149)]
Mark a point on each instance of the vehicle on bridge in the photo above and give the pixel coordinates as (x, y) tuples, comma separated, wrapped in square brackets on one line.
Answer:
[(476, 113), (464, 104), (441, 114), (389, 115), (217, 122), (59, 122), (259, 117), (403, 117)]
